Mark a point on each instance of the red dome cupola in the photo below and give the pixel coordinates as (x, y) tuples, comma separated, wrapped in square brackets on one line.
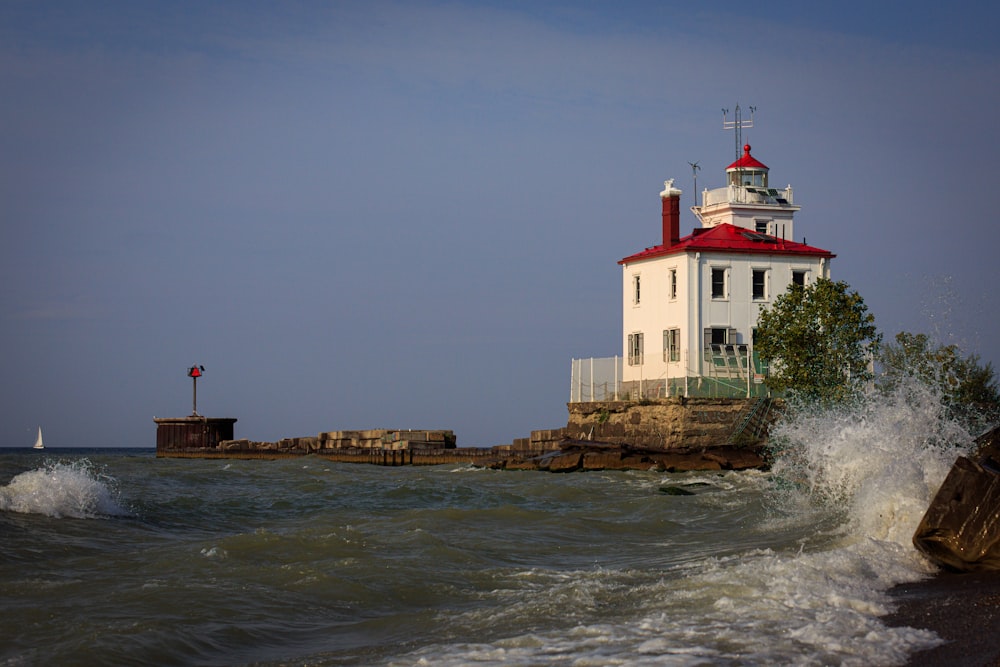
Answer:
[(748, 170)]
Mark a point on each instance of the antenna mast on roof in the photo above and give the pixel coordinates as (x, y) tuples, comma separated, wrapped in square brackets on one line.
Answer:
[(737, 125)]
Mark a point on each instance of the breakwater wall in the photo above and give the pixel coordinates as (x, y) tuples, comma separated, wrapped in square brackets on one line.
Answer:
[(671, 434), (383, 457)]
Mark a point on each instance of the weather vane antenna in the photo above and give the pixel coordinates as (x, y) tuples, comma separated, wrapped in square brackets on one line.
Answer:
[(737, 125), (694, 172)]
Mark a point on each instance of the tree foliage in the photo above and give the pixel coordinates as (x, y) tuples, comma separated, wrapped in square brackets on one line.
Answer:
[(967, 388), (819, 341)]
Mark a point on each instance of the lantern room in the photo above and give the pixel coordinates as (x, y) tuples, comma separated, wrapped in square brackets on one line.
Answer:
[(747, 171)]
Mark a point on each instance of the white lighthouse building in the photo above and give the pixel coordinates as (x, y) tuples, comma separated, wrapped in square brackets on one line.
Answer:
[(690, 305)]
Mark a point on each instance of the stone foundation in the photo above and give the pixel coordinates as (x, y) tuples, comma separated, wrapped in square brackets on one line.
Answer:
[(665, 423)]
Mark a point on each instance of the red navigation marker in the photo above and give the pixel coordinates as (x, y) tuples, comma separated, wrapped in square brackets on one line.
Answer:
[(194, 373)]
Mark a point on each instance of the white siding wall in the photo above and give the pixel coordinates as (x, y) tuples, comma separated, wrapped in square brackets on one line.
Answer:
[(654, 313), (695, 310)]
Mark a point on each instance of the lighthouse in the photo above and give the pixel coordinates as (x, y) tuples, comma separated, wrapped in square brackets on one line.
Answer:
[(749, 201), (690, 304)]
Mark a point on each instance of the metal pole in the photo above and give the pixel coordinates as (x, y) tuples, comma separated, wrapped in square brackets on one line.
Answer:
[(749, 369), (572, 377), (194, 400), (616, 377), (687, 372)]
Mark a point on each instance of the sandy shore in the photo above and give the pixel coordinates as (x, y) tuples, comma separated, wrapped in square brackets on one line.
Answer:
[(963, 609)]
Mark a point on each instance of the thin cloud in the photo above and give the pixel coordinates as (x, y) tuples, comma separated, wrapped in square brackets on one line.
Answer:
[(60, 311)]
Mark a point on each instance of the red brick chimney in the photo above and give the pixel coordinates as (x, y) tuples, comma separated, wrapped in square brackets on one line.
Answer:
[(671, 197)]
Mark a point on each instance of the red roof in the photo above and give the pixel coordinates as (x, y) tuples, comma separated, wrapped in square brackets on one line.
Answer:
[(732, 239), (747, 161)]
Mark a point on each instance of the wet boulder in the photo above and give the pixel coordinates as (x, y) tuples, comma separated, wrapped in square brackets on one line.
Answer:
[(961, 528), (675, 491), (565, 462)]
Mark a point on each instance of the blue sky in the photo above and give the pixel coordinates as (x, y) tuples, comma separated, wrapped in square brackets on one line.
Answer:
[(408, 215)]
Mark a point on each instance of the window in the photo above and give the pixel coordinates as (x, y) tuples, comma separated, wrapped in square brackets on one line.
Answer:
[(635, 349), (671, 344), (760, 226), (799, 278), (635, 290), (719, 284), (759, 284), (672, 287), (720, 336)]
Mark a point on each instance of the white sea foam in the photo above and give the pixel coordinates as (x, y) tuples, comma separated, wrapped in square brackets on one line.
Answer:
[(57, 489), (875, 467), (853, 482), (215, 553), (760, 607), (879, 462)]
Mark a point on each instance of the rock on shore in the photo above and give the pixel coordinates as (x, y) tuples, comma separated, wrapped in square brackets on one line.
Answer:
[(961, 528)]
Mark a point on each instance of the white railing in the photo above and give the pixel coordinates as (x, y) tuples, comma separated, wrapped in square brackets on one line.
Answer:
[(595, 379), (727, 371), (744, 194)]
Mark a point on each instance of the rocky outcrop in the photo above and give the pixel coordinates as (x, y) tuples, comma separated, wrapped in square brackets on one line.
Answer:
[(674, 435), (577, 455), (961, 528)]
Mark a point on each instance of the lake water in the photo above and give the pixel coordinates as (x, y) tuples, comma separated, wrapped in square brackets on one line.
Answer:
[(111, 556)]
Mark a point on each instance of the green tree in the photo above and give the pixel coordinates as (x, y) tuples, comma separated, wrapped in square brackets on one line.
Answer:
[(968, 389), (819, 341)]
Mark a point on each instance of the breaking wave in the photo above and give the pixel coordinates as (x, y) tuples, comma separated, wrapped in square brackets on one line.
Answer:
[(76, 490), (878, 461)]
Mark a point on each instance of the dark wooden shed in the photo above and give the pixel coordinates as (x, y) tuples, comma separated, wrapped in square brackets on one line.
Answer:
[(194, 432)]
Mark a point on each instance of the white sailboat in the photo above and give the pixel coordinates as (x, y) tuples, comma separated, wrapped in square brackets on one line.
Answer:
[(38, 441)]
